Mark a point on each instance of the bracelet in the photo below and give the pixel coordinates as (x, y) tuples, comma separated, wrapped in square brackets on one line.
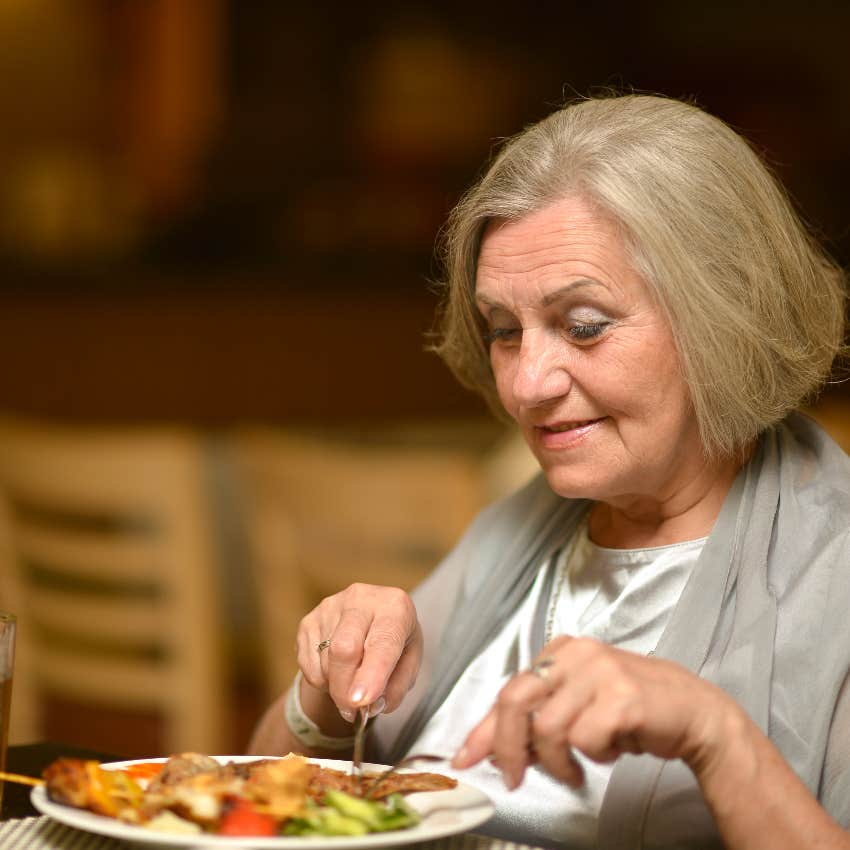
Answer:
[(304, 729)]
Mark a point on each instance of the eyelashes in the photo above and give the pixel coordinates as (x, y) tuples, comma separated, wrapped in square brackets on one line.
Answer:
[(584, 332), (496, 334), (591, 330)]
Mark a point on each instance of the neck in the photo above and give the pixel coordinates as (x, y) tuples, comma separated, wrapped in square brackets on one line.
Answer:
[(686, 513)]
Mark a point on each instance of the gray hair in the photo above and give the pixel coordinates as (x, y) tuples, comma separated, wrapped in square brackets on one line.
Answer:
[(755, 305)]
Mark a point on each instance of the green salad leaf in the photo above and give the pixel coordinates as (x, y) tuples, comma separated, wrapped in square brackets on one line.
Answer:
[(343, 814)]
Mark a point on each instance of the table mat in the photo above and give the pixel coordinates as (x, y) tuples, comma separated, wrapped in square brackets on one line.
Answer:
[(42, 833)]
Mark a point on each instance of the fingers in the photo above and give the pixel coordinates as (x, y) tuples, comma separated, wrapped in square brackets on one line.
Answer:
[(478, 744), (512, 743), (312, 660), (406, 670), (609, 727), (506, 734), (343, 656), (594, 699), (570, 697), (371, 647), (394, 633), (508, 737)]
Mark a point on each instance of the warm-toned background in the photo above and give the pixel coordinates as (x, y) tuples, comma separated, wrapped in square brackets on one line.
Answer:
[(216, 213)]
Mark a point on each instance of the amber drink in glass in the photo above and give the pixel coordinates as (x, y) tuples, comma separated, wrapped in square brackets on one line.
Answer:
[(7, 666)]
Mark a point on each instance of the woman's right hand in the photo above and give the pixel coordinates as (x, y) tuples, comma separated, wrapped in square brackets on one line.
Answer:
[(374, 650)]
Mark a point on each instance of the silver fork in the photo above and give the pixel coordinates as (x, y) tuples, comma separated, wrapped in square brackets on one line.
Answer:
[(359, 739), (405, 762)]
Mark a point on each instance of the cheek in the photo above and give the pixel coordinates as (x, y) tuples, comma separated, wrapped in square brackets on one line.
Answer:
[(657, 411), (503, 375), (644, 390), (647, 371)]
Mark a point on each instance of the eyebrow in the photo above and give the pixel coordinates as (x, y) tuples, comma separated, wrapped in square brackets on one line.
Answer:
[(552, 297)]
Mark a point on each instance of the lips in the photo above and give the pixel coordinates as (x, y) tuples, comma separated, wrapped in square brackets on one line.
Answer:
[(565, 434), (561, 427)]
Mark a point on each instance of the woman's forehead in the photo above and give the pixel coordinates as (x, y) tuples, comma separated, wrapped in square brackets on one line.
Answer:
[(564, 241)]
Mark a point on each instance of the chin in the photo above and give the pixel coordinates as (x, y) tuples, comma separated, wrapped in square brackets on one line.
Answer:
[(570, 484)]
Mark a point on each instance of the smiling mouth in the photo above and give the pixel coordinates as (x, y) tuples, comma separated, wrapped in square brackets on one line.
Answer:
[(561, 427)]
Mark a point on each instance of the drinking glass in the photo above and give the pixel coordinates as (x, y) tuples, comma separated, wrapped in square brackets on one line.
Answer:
[(7, 666)]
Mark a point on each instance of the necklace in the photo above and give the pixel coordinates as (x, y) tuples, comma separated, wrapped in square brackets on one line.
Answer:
[(563, 567)]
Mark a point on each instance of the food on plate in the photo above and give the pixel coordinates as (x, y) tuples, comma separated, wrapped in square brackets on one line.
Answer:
[(191, 792)]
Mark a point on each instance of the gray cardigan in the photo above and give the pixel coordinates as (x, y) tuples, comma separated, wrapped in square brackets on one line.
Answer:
[(765, 615)]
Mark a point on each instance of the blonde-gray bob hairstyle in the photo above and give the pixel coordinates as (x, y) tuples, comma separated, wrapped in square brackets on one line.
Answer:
[(756, 307)]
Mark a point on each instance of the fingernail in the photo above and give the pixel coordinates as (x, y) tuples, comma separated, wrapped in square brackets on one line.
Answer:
[(377, 707), (509, 780), (347, 715), (459, 760), (358, 693)]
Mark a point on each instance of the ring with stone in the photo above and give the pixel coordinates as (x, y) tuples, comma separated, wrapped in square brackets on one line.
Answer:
[(541, 668), (323, 645)]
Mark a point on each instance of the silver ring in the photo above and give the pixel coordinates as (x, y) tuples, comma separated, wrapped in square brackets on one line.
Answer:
[(323, 645), (541, 668)]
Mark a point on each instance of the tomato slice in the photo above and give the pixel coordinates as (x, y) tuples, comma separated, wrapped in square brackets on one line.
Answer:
[(144, 770), (241, 818)]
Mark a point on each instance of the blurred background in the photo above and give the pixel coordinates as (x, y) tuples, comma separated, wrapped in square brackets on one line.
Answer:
[(219, 217)]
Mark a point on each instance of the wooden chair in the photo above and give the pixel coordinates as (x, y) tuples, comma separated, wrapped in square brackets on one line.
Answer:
[(324, 511), (111, 569)]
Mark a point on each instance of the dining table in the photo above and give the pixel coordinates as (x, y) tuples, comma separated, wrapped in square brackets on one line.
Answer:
[(22, 827)]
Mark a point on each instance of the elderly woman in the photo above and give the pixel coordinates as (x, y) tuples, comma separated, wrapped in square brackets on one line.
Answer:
[(648, 645)]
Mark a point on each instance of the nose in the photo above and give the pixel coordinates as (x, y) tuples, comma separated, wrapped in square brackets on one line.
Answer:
[(542, 374)]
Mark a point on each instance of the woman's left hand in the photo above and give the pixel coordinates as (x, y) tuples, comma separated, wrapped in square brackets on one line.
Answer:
[(585, 695)]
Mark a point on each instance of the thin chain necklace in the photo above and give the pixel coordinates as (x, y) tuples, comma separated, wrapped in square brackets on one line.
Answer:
[(563, 567)]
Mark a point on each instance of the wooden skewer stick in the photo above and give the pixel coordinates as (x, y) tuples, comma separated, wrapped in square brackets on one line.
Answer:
[(21, 780)]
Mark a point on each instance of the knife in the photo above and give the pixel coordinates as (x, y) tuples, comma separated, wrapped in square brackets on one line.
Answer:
[(359, 738)]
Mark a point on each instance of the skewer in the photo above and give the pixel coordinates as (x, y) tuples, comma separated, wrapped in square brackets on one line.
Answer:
[(20, 779)]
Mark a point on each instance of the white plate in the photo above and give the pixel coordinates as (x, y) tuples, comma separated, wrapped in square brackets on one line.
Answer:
[(459, 809)]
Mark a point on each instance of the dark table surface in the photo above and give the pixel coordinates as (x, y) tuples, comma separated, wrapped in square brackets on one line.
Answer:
[(30, 760)]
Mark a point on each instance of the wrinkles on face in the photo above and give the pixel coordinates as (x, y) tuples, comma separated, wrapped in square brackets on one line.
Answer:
[(584, 358), (543, 250)]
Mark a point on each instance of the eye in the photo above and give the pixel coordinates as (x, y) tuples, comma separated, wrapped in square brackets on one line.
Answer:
[(587, 331), (501, 335)]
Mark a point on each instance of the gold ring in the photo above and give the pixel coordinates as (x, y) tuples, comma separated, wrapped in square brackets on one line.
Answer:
[(541, 668), (323, 645)]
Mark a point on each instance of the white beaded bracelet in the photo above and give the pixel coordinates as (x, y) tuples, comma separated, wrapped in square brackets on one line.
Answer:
[(307, 732)]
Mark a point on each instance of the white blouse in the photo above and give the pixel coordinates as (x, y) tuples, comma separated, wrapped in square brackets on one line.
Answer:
[(621, 596)]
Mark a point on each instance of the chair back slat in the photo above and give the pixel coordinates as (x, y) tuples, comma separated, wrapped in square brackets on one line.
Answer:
[(123, 622), (89, 555), (109, 549)]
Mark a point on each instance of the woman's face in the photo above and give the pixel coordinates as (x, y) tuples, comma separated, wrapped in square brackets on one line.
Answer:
[(584, 358)]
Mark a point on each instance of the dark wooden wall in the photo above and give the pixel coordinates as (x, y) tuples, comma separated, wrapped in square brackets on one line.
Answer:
[(224, 356)]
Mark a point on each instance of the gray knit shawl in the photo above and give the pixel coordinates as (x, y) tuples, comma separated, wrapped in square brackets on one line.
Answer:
[(765, 613)]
